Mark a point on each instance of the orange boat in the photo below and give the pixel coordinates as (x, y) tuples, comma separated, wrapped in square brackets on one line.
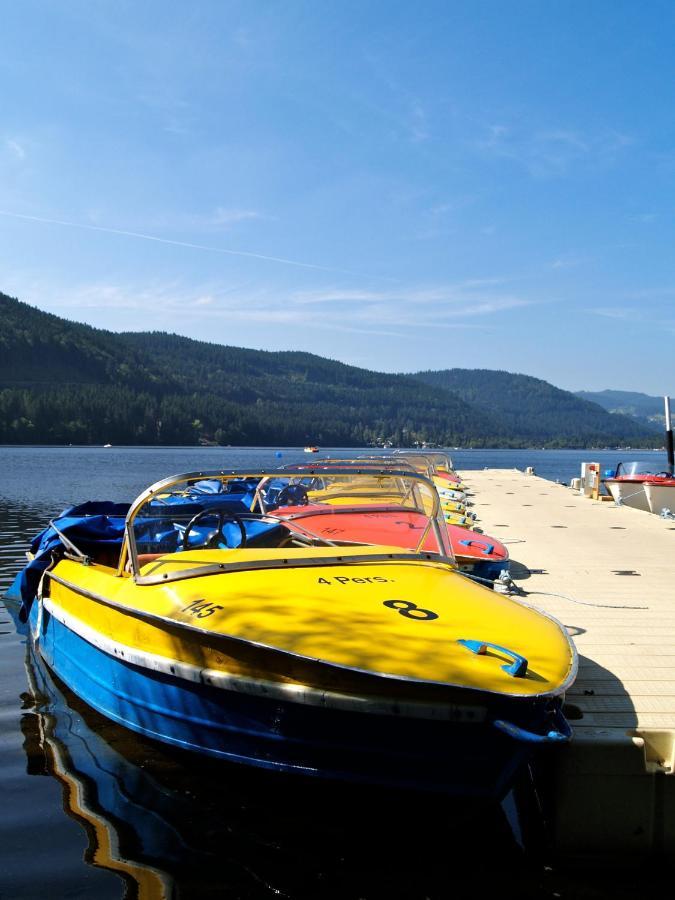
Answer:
[(478, 554)]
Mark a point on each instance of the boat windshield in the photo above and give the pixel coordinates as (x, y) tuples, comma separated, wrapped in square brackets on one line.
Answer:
[(259, 513), (628, 469), (437, 459), (361, 462), (419, 464)]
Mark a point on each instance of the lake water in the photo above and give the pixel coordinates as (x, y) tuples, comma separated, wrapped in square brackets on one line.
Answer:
[(90, 810)]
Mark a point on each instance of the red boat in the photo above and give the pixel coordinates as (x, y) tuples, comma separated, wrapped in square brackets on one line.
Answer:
[(482, 556)]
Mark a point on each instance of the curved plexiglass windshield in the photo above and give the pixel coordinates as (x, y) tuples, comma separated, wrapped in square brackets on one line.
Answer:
[(628, 469), (292, 510), (378, 463), (438, 460)]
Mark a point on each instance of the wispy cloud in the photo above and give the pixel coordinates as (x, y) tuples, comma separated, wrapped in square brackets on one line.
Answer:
[(550, 152), (150, 237), (652, 317), (408, 112), (15, 149), (666, 292), (391, 312), (616, 312), (419, 129), (220, 218), (567, 262)]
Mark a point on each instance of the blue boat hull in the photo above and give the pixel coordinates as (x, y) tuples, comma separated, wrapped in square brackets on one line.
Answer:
[(486, 570), (458, 758)]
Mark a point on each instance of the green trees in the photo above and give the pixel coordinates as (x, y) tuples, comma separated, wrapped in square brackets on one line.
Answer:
[(62, 382), (532, 410)]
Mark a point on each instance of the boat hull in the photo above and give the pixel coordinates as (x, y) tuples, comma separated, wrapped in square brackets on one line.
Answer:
[(628, 493), (463, 758), (478, 554), (660, 496)]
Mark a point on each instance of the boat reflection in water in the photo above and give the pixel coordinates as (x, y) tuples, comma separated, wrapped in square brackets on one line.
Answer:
[(174, 825), (96, 789)]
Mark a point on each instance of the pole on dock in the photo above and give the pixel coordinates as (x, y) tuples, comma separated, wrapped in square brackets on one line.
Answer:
[(669, 437)]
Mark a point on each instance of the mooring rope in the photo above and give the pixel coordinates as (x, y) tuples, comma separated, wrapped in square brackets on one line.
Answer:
[(510, 587)]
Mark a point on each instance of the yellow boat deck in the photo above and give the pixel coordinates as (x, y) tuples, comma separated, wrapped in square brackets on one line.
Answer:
[(614, 785)]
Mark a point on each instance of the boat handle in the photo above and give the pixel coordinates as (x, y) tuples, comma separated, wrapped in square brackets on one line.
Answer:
[(558, 735), (518, 667), (486, 548)]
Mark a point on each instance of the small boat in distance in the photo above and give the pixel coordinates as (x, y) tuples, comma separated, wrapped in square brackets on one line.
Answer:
[(106, 445), (311, 449)]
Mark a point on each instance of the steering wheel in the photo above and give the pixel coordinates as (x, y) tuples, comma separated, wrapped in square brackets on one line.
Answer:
[(223, 517), (293, 495)]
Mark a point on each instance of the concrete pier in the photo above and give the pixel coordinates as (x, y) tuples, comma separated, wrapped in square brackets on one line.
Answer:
[(608, 573)]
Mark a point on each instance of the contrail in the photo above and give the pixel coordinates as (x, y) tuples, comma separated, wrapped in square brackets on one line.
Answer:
[(159, 240)]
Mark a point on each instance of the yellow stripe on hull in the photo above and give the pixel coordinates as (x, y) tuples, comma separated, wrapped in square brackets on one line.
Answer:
[(458, 519), (453, 506)]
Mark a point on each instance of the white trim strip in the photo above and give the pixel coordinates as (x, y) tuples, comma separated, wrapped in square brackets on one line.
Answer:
[(258, 687)]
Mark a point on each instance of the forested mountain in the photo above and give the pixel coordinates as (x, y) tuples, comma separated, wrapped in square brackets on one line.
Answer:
[(649, 410), (536, 411), (63, 382)]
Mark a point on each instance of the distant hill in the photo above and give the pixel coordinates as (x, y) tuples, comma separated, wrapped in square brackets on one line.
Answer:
[(64, 382), (647, 409), (536, 410)]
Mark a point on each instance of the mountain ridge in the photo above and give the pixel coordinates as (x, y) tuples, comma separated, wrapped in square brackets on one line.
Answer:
[(646, 408), (67, 382), (532, 407)]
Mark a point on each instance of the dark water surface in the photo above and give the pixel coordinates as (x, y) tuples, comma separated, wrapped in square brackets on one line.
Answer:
[(89, 809)]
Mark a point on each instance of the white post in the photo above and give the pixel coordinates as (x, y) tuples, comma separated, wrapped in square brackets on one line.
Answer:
[(669, 436)]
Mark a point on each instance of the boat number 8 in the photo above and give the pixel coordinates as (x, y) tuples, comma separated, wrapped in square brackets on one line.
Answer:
[(411, 610)]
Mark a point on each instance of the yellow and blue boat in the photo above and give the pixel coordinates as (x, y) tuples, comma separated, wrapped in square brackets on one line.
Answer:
[(205, 616)]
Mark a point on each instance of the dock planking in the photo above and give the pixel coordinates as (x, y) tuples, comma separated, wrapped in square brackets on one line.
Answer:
[(607, 573)]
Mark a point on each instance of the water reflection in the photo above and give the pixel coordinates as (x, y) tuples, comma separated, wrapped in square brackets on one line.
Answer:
[(19, 523), (93, 793), (174, 825)]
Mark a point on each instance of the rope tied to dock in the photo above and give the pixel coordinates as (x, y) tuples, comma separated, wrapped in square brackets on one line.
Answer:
[(581, 602), (506, 585)]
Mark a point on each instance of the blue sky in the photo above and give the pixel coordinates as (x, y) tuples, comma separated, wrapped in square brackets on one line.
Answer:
[(394, 185)]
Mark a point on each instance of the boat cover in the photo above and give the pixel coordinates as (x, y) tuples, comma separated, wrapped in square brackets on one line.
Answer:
[(99, 524), (92, 523)]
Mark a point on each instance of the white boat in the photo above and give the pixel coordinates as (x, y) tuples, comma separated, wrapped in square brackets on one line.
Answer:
[(628, 492), (660, 495), (627, 485)]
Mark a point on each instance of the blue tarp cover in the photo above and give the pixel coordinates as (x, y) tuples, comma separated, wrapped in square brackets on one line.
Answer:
[(95, 524)]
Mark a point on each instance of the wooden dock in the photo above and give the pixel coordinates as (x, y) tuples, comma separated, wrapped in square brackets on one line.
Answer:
[(608, 573)]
